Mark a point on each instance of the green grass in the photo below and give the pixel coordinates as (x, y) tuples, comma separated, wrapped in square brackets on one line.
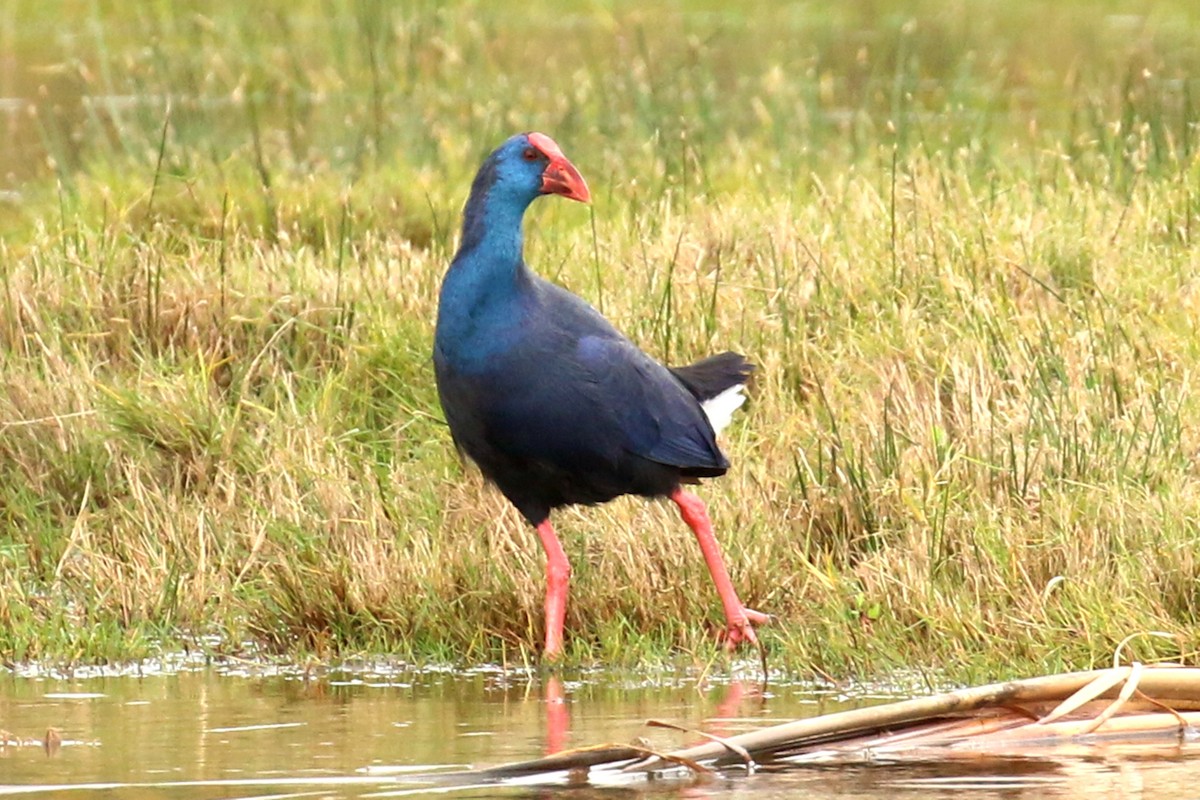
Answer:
[(959, 240)]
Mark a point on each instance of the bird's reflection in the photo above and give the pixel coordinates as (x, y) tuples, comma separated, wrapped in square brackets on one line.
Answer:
[(736, 701), (558, 715)]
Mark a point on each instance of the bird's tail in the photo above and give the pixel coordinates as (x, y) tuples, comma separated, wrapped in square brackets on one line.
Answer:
[(717, 382)]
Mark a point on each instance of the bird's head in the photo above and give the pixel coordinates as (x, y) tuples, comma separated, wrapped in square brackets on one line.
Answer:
[(531, 164)]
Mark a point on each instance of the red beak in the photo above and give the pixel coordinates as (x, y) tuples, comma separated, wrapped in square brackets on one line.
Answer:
[(560, 175)]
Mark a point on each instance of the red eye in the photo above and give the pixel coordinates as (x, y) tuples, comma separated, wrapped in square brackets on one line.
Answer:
[(530, 154)]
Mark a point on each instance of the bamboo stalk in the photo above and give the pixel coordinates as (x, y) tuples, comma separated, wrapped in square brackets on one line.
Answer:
[(1108, 679), (1160, 682), (1152, 705)]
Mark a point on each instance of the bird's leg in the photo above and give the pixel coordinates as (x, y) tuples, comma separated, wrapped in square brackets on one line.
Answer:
[(558, 573), (739, 619)]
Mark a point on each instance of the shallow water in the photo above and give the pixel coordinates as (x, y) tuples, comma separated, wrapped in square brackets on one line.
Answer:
[(257, 732)]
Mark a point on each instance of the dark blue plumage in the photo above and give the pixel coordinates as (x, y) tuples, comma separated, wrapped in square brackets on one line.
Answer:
[(553, 403)]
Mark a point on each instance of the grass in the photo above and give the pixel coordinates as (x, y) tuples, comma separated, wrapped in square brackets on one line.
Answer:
[(959, 240)]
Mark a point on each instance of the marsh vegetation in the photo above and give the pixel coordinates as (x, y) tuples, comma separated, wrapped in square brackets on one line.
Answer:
[(958, 239)]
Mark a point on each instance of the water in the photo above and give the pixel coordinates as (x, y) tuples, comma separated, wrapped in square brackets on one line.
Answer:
[(257, 732)]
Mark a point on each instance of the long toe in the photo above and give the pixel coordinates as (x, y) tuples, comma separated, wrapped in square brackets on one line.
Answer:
[(737, 635), (740, 628), (756, 617)]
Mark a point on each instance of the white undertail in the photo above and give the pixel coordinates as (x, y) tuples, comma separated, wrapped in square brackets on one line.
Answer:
[(719, 409)]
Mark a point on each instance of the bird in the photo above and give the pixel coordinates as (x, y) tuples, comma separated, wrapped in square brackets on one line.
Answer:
[(552, 402)]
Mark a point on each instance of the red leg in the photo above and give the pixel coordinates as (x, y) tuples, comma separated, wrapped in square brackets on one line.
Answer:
[(558, 573), (739, 619)]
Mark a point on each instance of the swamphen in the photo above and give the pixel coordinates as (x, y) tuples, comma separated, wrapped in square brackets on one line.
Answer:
[(554, 405)]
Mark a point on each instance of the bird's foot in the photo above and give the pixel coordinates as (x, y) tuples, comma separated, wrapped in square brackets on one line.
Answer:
[(740, 628)]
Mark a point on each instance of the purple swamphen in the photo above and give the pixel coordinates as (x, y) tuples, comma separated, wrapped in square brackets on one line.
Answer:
[(551, 401)]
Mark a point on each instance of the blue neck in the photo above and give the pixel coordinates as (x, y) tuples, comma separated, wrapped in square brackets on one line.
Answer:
[(479, 312), (492, 226)]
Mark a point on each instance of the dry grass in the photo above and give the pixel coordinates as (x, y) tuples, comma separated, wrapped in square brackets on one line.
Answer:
[(972, 301)]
